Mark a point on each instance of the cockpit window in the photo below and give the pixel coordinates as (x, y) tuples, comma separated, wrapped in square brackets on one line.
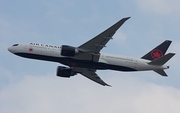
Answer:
[(15, 45)]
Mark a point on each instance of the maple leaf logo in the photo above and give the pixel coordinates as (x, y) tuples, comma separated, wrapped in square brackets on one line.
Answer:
[(30, 49), (156, 54)]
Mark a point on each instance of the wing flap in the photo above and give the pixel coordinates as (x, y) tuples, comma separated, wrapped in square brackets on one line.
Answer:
[(91, 75)]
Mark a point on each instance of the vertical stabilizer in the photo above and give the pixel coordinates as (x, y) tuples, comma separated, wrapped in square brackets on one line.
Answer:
[(158, 51)]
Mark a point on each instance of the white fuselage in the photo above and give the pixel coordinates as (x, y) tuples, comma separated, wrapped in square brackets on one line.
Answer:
[(52, 53)]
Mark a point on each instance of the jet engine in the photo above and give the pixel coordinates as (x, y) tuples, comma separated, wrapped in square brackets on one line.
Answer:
[(69, 51), (64, 72)]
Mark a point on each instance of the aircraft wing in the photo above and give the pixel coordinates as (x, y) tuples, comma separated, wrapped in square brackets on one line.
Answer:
[(89, 73), (98, 42)]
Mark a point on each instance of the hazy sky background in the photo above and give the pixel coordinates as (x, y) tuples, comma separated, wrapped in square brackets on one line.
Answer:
[(31, 86)]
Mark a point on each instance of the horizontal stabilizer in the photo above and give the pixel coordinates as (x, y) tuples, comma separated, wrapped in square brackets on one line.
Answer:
[(162, 60), (161, 72)]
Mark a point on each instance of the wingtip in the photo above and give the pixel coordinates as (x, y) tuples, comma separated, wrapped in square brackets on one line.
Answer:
[(108, 85), (124, 19), (127, 18), (168, 41)]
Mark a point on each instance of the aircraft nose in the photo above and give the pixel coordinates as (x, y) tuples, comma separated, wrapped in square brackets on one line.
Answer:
[(10, 49)]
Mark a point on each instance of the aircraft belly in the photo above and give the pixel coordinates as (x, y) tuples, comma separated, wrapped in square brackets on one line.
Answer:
[(84, 60), (38, 57)]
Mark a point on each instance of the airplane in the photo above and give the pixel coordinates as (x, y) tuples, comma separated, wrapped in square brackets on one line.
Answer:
[(87, 58)]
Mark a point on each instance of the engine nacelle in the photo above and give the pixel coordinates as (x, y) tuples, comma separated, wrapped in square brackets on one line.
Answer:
[(69, 51), (64, 72)]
